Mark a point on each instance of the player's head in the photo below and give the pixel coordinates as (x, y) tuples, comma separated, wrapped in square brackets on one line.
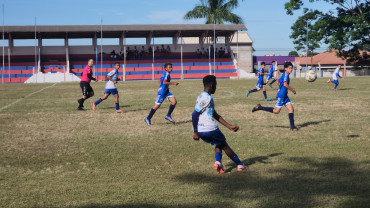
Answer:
[(288, 66), (117, 65), (168, 67), (262, 64), (272, 62), (210, 83), (339, 66), (90, 62)]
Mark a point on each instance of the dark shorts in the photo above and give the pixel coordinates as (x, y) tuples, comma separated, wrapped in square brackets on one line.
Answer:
[(86, 88), (215, 137)]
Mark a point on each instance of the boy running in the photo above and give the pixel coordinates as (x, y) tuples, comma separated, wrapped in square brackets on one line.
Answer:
[(86, 78), (260, 83), (271, 74), (110, 88), (282, 96), (163, 93), (335, 77), (205, 127)]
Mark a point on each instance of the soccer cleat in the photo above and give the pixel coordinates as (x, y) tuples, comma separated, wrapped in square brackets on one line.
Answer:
[(219, 167), (268, 99), (80, 109), (329, 80), (241, 167), (294, 129), (120, 111), (256, 108), (168, 118), (147, 121), (93, 106), (248, 93)]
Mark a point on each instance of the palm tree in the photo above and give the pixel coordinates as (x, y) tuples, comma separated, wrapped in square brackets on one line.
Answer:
[(215, 12)]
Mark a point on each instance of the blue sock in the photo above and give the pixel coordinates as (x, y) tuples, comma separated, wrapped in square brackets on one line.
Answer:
[(291, 119), (268, 109), (264, 94), (117, 106), (236, 160), (170, 110), (254, 90), (335, 86), (274, 80), (218, 156), (152, 111), (98, 101)]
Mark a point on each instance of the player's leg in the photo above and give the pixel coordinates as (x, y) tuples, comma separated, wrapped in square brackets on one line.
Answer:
[(116, 101), (173, 101), (158, 102), (276, 110), (265, 94), (234, 157), (218, 164), (258, 88), (336, 82), (290, 108), (105, 96), (273, 81), (85, 95)]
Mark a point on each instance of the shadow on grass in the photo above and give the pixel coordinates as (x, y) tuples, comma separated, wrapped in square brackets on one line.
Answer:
[(150, 205), (113, 107), (183, 122), (345, 89), (304, 182), (353, 136), (304, 124), (253, 160)]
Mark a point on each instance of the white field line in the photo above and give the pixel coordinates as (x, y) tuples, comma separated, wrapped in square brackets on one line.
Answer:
[(7, 106)]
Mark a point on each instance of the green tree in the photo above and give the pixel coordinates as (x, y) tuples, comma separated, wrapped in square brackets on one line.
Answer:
[(293, 53), (346, 29), (215, 12)]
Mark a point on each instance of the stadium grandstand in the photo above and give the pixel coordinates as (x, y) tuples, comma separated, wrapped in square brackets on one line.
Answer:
[(193, 52)]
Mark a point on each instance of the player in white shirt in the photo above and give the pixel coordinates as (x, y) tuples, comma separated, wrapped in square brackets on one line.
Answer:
[(335, 77), (205, 127), (110, 88)]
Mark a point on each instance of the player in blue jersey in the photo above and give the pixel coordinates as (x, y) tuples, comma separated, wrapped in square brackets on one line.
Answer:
[(270, 75), (163, 93), (205, 127), (282, 96), (260, 83), (110, 88), (335, 77)]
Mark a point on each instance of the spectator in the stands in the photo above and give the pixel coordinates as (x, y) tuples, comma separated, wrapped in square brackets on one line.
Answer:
[(168, 49), (199, 53), (157, 50)]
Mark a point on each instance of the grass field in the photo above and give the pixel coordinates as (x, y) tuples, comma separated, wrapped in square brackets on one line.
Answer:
[(54, 156)]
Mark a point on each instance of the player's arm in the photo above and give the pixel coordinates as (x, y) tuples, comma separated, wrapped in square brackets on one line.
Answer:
[(195, 120), (340, 76), (289, 88), (89, 75), (225, 123), (170, 83), (110, 78)]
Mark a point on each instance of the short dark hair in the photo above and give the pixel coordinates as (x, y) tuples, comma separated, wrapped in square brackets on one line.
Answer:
[(167, 64), (263, 63), (209, 80), (117, 63), (273, 61), (287, 64)]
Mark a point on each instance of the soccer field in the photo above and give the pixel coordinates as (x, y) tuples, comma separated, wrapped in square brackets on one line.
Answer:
[(52, 155)]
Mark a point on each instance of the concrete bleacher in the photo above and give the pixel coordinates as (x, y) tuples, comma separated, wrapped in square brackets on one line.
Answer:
[(22, 66)]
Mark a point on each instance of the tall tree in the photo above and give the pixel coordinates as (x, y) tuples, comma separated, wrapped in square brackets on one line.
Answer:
[(215, 12), (345, 29)]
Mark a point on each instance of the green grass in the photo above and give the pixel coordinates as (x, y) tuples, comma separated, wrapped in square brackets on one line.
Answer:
[(54, 156)]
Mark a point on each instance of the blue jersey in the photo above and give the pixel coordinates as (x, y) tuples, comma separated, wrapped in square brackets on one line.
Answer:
[(260, 75), (271, 72), (283, 91), (163, 88)]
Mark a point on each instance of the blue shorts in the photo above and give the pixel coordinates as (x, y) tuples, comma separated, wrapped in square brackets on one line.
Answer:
[(335, 82), (260, 85), (215, 137), (282, 101), (269, 76), (160, 98), (111, 91)]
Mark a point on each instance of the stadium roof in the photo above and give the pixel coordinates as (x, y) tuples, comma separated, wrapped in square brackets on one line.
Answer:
[(116, 31)]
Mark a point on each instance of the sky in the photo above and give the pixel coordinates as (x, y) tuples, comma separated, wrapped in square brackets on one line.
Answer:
[(267, 23)]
